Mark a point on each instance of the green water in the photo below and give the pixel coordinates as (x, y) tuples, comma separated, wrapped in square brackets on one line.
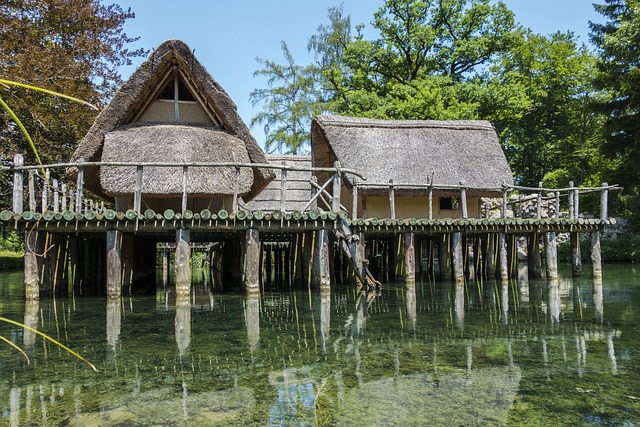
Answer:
[(527, 353)]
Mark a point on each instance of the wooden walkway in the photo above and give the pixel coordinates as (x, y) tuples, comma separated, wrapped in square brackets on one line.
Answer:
[(75, 241)]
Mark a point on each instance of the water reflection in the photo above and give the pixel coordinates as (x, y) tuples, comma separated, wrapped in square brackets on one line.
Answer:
[(289, 358), (31, 316)]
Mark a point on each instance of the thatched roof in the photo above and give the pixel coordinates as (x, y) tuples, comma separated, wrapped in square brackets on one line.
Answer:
[(181, 144), (137, 92), (412, 151), (298, 188)]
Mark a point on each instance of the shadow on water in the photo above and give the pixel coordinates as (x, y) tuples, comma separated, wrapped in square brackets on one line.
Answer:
[(561, 352)]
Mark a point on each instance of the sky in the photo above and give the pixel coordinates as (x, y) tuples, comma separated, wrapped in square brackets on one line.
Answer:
[(228, 35)]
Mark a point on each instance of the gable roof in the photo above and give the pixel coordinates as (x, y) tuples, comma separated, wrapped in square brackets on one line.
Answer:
[(412, 151), (140, 89)]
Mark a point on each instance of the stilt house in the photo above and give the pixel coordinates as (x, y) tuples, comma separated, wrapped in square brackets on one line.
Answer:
[(172, 111), (408, 156)]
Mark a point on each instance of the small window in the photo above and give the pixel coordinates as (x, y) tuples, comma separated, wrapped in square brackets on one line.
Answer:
[(449, 203), (169, 91)]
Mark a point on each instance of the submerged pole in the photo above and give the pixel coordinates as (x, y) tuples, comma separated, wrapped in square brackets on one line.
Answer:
[(114, 264), (321, 274), (409, 259), (458, 258), (252, 262), (183, 262)]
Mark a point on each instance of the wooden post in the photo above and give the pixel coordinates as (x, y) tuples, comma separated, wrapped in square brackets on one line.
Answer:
[(604, 196), (570, 196), (32, 191), (185, 172), (252, 262), (63, 202), (79, 185), (314, 204), (137, 195), (490, 262), (56, 195), (321, 263), (596, 257), (444, 260), (183, 262), (392, 201), (458, 258), (503, 257), (283, 189), (430, 202), (539, 205), (576, 256), (165, 267), (463, 201), (354, 203), (409, 259), (18, 184), (114, 264), (32, 249), (534, 260), (45, 191), (551, 255), (337, 184)]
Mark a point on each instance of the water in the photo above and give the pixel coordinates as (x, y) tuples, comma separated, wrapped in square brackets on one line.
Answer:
[(528, 353)]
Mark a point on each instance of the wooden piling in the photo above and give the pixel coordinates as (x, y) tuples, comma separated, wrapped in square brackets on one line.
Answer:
[(596, 257), (114, 264), (321, 274), (457, 257), (32, 249), (576, 256), (534, 260), (409, 259), (503, 261), (551, 255), (490, 258), (183, 262), (252, 262), (444, 260)]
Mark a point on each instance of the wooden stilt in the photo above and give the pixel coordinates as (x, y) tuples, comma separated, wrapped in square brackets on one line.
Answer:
[(114, 264), (551, 255), (534, 260), (457, 257), (490, 262), (183, 262), (321, 262), (596, 258), (252, 262), (409, 259), (31, 273), (576, 256), (444, 260), (503, 258)]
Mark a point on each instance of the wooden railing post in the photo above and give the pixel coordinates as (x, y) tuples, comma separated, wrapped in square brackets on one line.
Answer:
[(236, 184), (392, 200), (463, 201), (430, 201), (354, 203), (79, 185), (314, 191), (572, 213), (283, 188), (576, 203), (337, 181), (45, 191), (503, 211), (63, 191), (539, 200), (18, 184), (557, 214), (137, 195), (604, 201), (56, 196), (185, 172), (32, 191)]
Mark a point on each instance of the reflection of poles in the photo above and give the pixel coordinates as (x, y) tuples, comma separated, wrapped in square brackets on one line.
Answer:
[(325, 318), (553, 300), (252, 320), (114, 316), (31, 309), (504, 300), (459, 307), (598, 299), (14, 407), (361, 314), (183, 323), (612, 353), (411, 307)]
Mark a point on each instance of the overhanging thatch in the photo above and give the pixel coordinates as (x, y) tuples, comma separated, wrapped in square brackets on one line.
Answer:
[(181, 144), (135, 94), (412, 152)]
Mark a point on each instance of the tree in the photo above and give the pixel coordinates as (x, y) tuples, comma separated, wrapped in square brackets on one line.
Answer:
[(556, 137), (618, 41), (69, 46), (290, 101)]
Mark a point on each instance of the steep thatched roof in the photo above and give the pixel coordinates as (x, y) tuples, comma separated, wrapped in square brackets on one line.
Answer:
[(181, 144), (412, 151), (298, 188), (137, 92)]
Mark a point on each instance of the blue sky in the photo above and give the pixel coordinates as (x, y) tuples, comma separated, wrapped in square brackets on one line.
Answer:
[(229, 35)]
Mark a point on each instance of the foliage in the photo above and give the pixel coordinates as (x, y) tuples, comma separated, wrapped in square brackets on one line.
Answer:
[(290, 103), (10, 241), (619, 76), (72, 47)]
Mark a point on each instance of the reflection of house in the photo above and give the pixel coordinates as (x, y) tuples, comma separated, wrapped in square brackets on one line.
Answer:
[(172, 111), (412, 153)]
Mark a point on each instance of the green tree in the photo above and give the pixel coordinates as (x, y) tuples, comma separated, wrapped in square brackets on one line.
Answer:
[(556, 133), (290, 101), (68, 46), (618, 41)]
